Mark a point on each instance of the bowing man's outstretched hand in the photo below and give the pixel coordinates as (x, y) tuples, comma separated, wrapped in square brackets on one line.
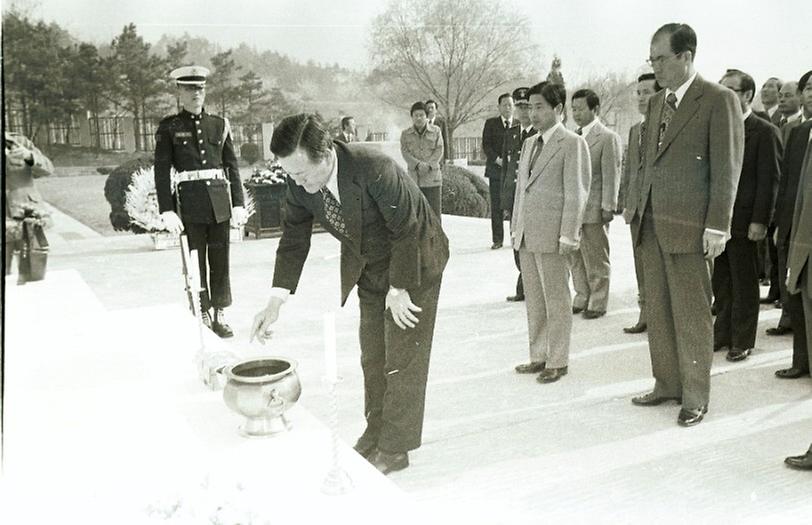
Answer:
[(401, 306)]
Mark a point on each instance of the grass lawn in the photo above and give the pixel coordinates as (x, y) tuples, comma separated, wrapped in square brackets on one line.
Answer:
[(81, 197)]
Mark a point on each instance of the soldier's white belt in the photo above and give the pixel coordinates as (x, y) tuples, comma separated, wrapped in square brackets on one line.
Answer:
[(186, 176)]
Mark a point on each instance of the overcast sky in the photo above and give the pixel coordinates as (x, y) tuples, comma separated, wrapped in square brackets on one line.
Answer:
[(764, 38)]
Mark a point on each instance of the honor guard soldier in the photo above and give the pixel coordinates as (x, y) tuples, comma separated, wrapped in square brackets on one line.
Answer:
[(204, 193), (512, 148)]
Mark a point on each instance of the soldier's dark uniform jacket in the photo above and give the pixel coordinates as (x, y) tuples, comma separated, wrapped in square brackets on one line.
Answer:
[(190, 142), (512, 147)]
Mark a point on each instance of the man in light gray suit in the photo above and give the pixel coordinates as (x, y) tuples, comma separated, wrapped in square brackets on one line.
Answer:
[(552, 186), (590, 264), (694, 146)]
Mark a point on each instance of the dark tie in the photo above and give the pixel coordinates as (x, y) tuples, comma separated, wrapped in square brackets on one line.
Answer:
[(782, 121), (579, 131), (507, 124), (332, 212), (524, 136), (537, 146), (669, 108)]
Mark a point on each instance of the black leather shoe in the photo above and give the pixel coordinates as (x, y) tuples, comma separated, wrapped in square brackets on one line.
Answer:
[(219, 326), (594, 314), (530, 368), (639, 328), (387, 462), (364, 449), (496, 245), (515, 298), (791, 373), (779, 330), (737, 354), (577, 309), (689, 417), (551, 375), (222, 330), (803, 462), (768, 300), (652, 400)]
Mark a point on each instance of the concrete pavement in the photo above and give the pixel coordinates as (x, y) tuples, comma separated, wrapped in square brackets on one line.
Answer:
[(498, 443)]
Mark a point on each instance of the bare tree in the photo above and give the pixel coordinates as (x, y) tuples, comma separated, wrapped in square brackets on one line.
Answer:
[(458, 52)]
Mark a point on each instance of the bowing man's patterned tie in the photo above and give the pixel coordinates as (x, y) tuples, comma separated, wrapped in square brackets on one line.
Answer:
[(536, 151), (669, 108), (332, 212)]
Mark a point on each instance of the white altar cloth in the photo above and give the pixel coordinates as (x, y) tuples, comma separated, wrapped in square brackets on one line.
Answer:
[(107, 422)]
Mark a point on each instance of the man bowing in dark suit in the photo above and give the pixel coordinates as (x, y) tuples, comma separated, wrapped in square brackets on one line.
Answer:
[(493, 137), (392, 247), (684, 200), (735, 271)]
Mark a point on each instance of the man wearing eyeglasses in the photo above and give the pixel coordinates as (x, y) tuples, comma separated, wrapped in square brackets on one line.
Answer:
[(693, 151)]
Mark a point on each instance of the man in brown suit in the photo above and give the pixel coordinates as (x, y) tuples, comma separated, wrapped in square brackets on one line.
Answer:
[(551, 193), (590, 264), (693, 156), (646, 87)]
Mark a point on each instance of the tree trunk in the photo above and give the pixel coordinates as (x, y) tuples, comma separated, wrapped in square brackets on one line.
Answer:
[(136, 125), (450, 132)]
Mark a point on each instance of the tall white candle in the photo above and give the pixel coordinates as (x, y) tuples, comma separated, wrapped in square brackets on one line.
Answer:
[(330, 363)]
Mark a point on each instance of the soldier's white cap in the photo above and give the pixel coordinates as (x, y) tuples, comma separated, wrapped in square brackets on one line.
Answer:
[(190, 75)]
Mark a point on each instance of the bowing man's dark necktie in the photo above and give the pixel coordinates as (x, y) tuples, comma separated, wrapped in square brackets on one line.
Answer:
[(332, 212), (669, 108)]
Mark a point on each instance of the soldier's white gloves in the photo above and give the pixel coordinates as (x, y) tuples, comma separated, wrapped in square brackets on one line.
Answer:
[(172, 222), (238, 216)]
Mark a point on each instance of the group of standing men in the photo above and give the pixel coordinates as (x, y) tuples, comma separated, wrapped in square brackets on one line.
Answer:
[(698, 190)]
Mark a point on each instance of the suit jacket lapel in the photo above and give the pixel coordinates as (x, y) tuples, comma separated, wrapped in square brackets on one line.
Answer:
[(547, 153), (349, 192), (686, 110), (594, 134)]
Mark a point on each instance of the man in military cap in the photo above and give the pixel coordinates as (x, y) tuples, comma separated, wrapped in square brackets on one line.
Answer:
[(514, 138), (206, 191)]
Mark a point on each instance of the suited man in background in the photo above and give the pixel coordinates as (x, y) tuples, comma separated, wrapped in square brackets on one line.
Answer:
[(590, 263), (433, 117), (551, 195), (348, 133), (392, 248), (735, 272), (646, 87), (421, 146), (694, 147), (511, 153), (799, 281), (789, 189), (790, 104), (493, 137), (769, 99)]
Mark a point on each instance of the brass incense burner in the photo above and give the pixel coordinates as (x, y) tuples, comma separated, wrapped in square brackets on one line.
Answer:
[(262, 389)]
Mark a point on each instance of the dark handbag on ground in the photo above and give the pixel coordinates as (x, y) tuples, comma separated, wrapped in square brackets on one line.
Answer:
[(33, 252)]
